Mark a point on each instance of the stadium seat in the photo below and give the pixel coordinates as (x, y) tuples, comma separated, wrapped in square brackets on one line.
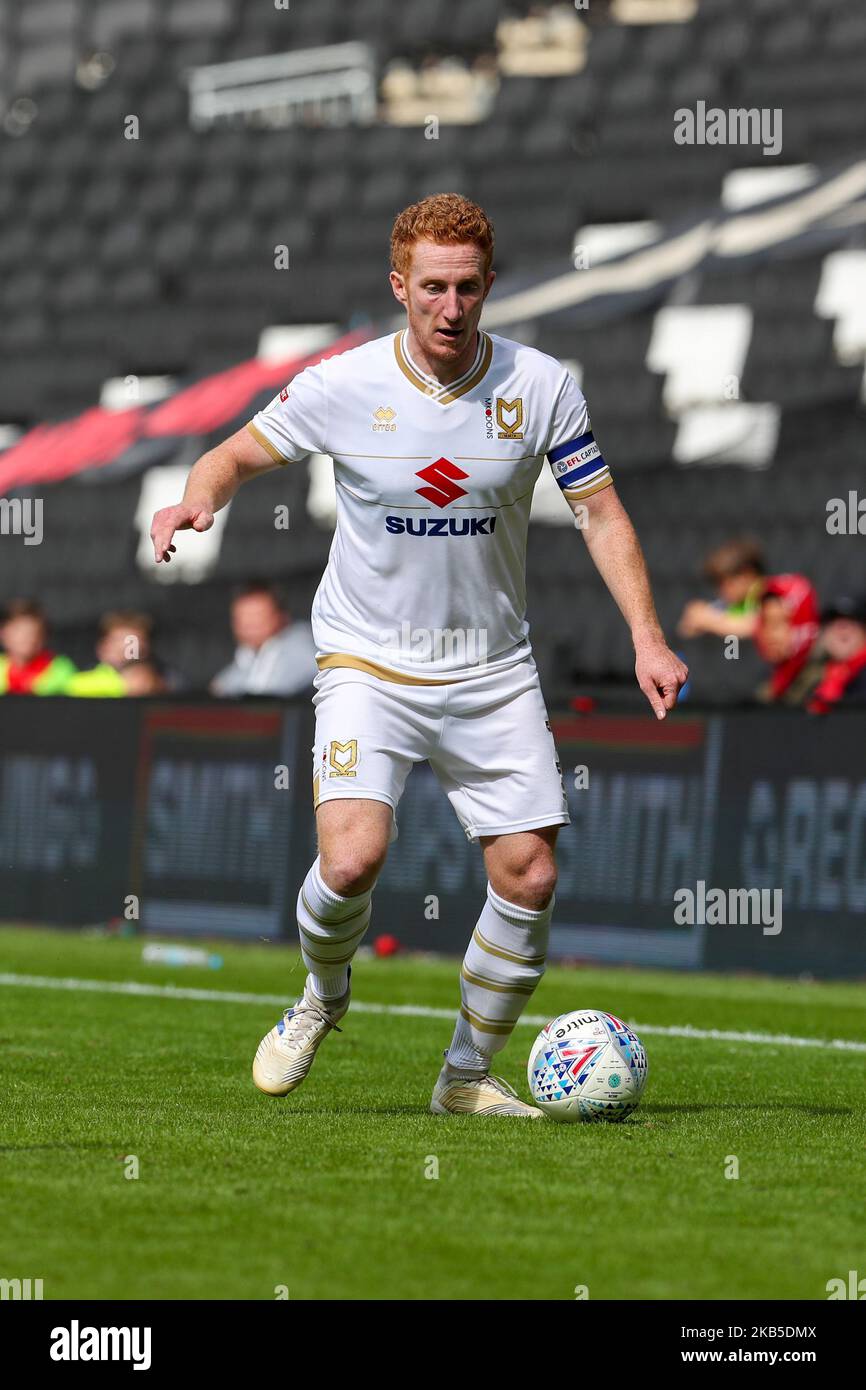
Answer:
[(197, 17)]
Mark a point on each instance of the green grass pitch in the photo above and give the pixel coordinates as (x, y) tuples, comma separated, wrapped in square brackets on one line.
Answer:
[(326, 1194)]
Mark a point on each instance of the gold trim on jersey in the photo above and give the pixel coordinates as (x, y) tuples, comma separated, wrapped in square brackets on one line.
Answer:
[(371, 502), (359, 663), (456, 506), (444, 395), (486, 506), (266, 444)]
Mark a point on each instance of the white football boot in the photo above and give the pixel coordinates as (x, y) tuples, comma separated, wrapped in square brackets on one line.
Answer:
[(285, 1054), (478, 1095)]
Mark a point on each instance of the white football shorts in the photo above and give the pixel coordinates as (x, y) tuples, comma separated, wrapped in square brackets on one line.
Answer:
[(487, 739)]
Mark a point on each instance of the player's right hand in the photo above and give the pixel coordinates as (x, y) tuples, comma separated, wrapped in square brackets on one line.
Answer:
[(183, 517)]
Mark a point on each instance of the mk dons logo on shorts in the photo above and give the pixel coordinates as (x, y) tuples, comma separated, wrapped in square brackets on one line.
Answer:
[(343, 758), (509, 417)]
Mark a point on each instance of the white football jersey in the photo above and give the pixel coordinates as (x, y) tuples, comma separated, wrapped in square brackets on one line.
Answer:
[(426, 578)]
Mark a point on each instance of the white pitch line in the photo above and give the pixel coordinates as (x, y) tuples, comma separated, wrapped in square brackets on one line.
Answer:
[(209, 996)]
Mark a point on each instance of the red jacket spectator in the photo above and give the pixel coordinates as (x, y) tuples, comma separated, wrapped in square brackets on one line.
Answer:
[(844, 642), (786, 628)]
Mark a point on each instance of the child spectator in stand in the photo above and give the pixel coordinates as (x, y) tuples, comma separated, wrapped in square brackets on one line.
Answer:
[(778, 613), (125, 637), (122, 637), (29, 666)]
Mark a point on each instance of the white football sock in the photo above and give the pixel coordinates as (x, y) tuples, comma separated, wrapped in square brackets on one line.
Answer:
[(502, 966), (331, 928)]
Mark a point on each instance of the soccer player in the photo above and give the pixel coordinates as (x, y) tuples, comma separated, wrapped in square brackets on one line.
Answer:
[(438, 433)]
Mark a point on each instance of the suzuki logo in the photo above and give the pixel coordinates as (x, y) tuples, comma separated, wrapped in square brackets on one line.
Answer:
[(441, 476)]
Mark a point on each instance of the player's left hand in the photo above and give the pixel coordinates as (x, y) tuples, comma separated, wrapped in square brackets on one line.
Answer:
[(660, 674)]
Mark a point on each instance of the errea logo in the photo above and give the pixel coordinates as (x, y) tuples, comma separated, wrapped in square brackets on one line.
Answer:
[(383, 419)]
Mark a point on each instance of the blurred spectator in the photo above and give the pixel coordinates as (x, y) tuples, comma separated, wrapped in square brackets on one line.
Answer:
[(785, 634), (458, 94), (736, 572), (142, 677), (30, 667), (274, 656), (124, 637), (550, 41), (843, 644), (649, 11), (779, 613)]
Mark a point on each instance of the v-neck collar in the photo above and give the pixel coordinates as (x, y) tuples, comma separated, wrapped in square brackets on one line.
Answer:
[(435, 390)]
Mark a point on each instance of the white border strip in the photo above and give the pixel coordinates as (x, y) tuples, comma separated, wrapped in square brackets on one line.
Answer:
[(209, 996)]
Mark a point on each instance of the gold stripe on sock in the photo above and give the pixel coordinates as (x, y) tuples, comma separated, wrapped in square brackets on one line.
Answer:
[(323, 960), (503, 1030), (500, 951), (323, 921), (496, 985)]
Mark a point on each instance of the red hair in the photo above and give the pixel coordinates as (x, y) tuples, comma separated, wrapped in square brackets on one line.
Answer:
[(447, 218)]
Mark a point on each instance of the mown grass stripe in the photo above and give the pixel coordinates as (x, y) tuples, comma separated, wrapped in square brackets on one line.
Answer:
[(209, 996)]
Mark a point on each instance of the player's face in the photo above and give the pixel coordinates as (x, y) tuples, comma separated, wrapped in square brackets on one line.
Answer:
[(443, 293)]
